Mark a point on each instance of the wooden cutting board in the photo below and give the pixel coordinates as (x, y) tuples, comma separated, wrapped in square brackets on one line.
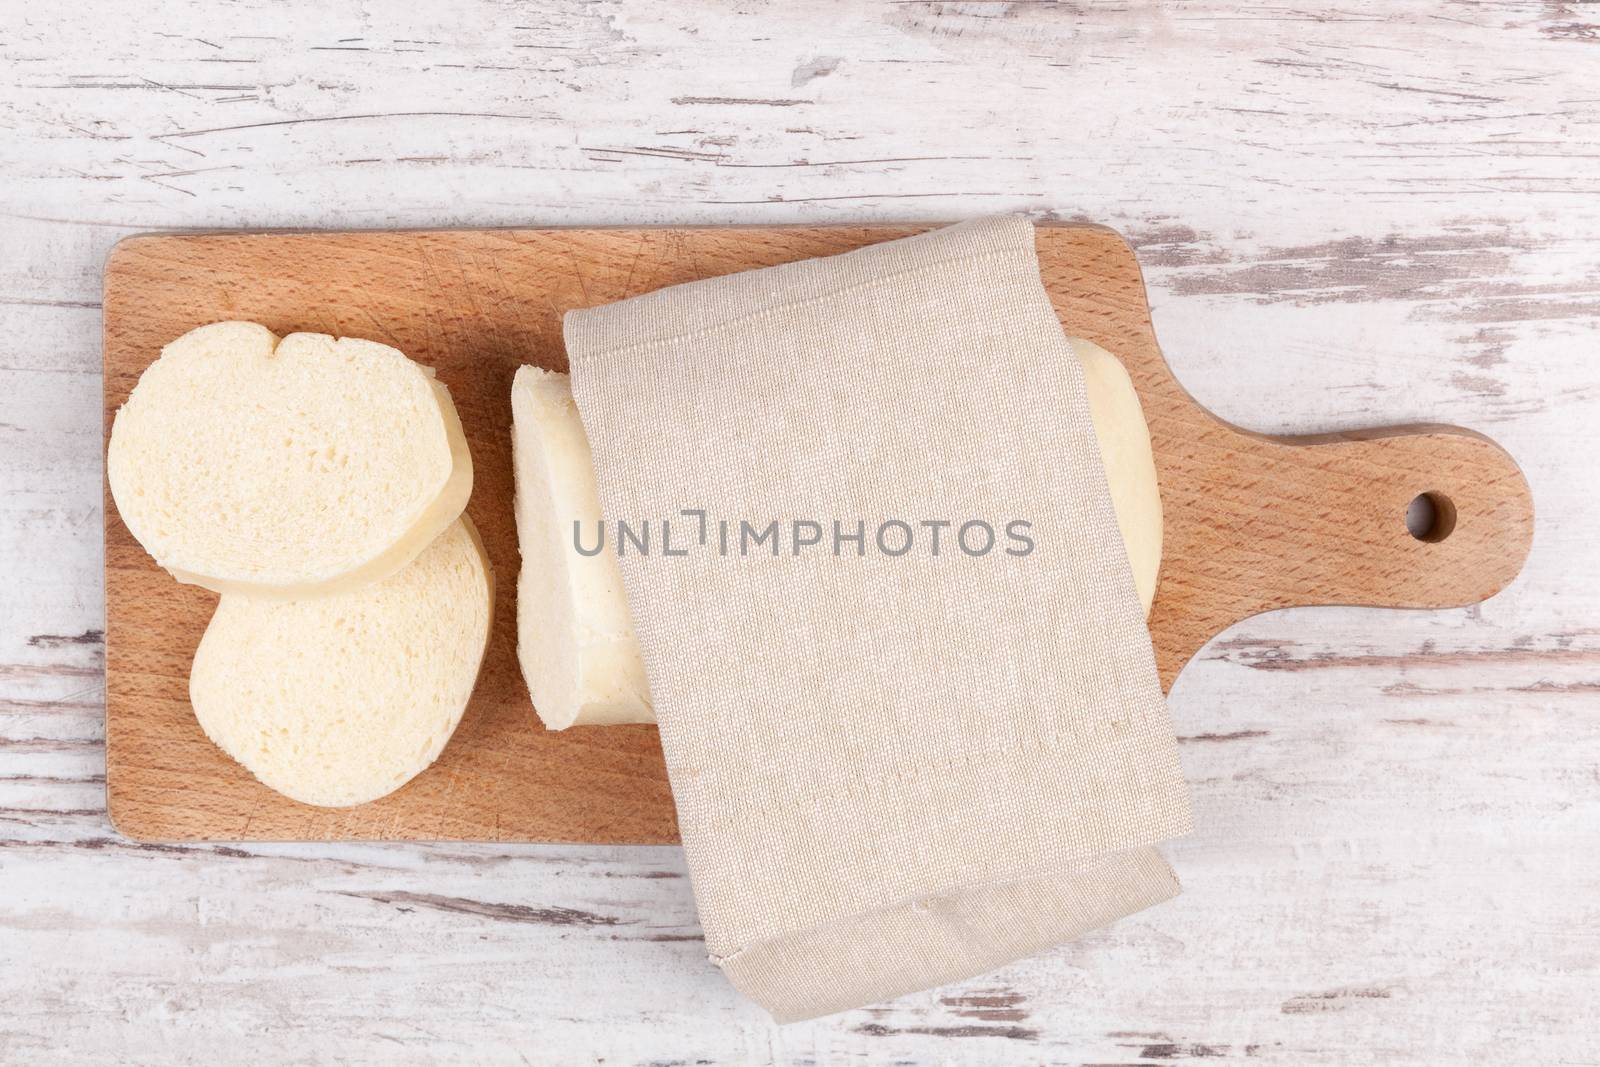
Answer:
[(1253, 522)]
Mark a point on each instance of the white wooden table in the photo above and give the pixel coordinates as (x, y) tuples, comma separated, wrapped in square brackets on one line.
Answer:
[(1348, 216)]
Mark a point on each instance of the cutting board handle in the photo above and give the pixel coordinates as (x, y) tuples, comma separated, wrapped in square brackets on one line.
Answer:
[(1294, 521), (1338, 505)]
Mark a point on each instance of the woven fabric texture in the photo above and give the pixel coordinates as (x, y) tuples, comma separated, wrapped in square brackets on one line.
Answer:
[(893, 769)]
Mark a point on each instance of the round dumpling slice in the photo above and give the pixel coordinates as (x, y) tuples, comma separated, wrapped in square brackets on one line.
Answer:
[(292, 468), (342, 699)]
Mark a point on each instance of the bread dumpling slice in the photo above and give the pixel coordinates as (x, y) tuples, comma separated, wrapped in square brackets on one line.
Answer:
[(575, 638), (291, 468), (342, 699)]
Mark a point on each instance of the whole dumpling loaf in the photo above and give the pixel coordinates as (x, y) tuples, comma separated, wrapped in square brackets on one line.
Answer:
[(290, 468), (575, 637), (342, 699)]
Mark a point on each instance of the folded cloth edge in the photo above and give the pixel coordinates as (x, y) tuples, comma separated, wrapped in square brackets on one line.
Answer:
[(928, 942), (916, 856)]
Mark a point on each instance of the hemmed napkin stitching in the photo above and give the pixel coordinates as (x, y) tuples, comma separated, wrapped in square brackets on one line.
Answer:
[(917, 771), (588, 358)]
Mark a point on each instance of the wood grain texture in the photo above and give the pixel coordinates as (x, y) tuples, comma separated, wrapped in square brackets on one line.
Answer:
[(1353, 217), (1252, 522)]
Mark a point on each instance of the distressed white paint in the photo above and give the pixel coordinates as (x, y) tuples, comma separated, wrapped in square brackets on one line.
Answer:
[(1348, 217)]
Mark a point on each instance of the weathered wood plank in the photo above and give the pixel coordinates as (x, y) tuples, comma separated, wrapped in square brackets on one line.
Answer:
[(1347, 218)]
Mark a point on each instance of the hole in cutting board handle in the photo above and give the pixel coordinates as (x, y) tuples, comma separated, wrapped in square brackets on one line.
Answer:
[(1431, 517)]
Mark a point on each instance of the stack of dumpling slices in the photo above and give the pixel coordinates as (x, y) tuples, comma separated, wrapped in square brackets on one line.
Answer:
[(319, 486)]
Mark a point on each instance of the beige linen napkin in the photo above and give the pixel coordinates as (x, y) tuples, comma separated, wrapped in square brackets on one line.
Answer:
[(893, 769)]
